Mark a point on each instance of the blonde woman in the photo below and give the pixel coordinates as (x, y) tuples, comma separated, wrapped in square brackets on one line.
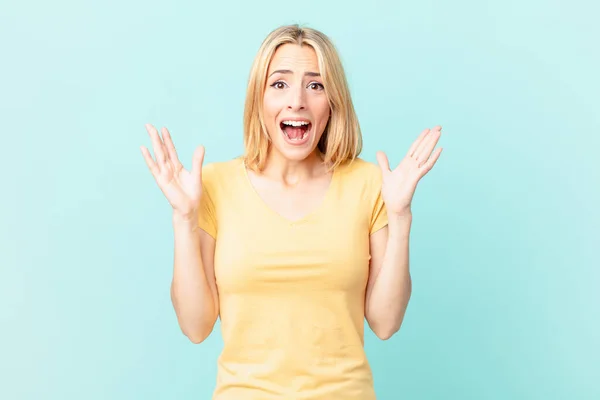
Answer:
[(297, 242)]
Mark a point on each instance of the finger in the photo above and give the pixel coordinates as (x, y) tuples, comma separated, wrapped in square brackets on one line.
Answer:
[(157, 146), (197, 160), (424, 150), (417, 142), (171, 149), (432, 160), (383, 162), (149, 161)]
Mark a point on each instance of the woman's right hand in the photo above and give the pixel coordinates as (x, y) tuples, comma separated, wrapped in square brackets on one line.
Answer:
[(182, 188)]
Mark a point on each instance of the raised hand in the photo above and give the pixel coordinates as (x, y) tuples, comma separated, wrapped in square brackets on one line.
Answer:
[(399, 184), (182, 188)]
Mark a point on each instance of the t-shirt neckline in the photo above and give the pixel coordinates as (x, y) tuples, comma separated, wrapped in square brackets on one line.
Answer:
[(292, 222)]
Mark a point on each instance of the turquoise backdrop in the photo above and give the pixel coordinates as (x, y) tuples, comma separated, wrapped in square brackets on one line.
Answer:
[(504, 246)]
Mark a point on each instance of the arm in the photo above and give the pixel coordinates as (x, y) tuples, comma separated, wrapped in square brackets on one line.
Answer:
[(193, 289), (390, 286)]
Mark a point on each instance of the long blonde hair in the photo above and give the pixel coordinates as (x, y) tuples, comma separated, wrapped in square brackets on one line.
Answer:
[(342, 139)]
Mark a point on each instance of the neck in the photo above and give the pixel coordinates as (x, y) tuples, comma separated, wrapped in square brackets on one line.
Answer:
[(292, 172)]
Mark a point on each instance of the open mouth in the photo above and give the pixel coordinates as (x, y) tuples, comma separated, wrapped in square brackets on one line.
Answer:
[(295, 131)]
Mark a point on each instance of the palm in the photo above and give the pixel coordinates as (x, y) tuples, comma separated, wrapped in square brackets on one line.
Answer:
[(181, 187), (399, 184)]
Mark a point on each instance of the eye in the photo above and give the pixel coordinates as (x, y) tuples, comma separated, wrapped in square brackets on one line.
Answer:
[(316, 86), (278, 85)]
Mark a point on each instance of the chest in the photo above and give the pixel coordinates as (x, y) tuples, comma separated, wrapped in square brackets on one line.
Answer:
[(292, 203), (259, 251)]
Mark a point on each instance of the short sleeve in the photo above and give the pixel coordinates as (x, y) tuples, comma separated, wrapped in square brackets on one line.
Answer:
[(379, 217), (207, 220)]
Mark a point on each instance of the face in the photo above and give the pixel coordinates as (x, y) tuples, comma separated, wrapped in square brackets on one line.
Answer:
[(295, 104)]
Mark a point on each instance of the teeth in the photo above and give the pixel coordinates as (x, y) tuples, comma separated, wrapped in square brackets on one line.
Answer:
[(295, 123)]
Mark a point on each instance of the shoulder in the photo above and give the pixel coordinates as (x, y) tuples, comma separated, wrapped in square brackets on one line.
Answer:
[(217, 173), (361, 180), (360, 183), (361, 172)]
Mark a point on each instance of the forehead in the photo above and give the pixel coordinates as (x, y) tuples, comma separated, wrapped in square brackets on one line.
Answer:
[(294, 57)]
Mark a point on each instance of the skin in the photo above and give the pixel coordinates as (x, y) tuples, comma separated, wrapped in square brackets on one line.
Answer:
[(389, 287), (294, 180), (293, 90), (292, 184)]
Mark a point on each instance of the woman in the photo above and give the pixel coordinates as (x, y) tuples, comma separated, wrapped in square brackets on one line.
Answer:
[(298, 241)]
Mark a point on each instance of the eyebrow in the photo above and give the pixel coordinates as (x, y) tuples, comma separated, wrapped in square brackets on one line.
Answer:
[(287, 71)]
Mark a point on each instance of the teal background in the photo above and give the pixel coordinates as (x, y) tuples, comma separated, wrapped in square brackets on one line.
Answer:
[(504, 246)]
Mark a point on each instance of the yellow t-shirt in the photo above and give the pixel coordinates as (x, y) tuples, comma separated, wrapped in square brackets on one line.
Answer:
[(292, 294)]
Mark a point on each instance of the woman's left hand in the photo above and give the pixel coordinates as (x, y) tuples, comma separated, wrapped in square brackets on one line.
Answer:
[(399, 185)]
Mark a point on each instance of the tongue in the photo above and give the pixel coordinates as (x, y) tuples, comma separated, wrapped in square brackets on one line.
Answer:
[(293, 132)]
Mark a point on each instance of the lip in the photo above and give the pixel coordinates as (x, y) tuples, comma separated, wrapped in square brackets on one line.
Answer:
[(296, 142), (295, 119)]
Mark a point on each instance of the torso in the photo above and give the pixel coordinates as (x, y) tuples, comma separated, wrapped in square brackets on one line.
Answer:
[(292, 282)]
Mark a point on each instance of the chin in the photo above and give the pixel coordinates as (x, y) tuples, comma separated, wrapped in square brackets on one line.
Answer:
[(293, 153)]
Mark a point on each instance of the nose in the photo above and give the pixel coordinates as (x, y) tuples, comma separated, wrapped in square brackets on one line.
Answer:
[(297, 98)]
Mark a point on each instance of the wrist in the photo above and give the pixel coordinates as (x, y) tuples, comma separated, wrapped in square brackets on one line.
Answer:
[(400, 215), (185, 219), (399, 222)]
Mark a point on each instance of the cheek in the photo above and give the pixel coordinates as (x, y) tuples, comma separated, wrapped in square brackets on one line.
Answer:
[(322, 105), (269, 106), (271, 110), (323, 111)]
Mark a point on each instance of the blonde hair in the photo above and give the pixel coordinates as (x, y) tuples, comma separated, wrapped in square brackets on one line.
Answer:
[(342, 139)]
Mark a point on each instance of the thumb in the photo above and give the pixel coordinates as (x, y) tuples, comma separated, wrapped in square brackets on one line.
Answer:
[(382, 160), (197, 160)]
